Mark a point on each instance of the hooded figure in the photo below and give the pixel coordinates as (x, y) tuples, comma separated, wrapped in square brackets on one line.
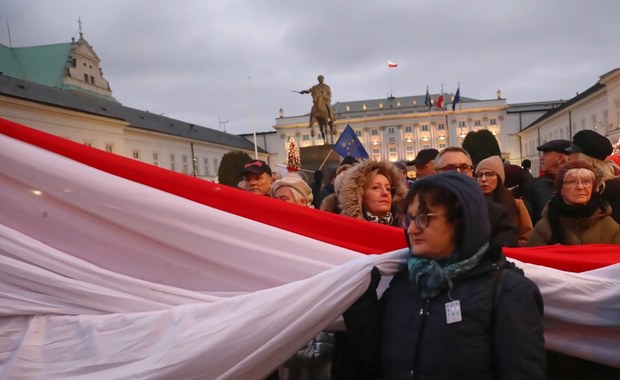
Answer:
[(355, 182), (459, 312)]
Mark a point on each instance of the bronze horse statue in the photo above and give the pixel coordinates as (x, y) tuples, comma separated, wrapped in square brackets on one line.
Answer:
[(322, 111), (321, 114)]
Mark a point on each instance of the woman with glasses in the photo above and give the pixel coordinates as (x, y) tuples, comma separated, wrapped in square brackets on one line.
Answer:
[(576, 214), (491, 177), (458, 309)]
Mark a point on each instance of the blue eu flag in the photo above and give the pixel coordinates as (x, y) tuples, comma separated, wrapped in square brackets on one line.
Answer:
[(349, 145)]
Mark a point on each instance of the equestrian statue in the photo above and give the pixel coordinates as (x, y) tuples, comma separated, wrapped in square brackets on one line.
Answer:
[(322, 111)]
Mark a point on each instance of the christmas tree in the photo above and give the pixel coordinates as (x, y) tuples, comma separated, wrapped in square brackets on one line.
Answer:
[(293, 161)]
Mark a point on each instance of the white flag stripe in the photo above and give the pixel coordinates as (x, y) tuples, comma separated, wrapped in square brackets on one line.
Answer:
[(169, 288)]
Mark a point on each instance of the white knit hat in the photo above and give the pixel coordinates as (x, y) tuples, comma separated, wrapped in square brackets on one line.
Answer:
[(296, 183), (495, 164)]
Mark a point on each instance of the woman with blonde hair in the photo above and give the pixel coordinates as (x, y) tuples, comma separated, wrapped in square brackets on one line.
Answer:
[(371, 191), (576, 214), (594, 148)]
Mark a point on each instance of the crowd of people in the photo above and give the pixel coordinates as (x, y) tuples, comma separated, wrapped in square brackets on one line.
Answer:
[(458, 309)]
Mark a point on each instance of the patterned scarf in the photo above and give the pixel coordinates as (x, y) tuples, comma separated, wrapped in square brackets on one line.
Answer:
[(431, 278), (387, 219)]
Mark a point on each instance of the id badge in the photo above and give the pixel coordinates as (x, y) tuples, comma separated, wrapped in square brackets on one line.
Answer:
[(453, 312)]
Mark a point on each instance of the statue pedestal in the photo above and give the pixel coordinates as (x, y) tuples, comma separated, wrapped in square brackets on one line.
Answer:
[(313, 156)]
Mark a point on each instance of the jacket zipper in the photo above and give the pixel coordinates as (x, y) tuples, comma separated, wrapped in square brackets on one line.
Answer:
[(423, 313)]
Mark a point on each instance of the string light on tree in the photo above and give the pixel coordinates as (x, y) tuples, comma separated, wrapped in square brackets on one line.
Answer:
[(293, 161)]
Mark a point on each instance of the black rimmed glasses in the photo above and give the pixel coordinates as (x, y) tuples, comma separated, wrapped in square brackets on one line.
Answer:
[(463, 168), (421, 220), (487, 175)]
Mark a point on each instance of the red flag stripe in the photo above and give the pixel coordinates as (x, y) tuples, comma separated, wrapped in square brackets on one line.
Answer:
[(335, 229)]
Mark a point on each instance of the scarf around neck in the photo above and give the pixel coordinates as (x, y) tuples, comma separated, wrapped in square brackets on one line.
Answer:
[(430, 277), (557, 207), (387, 219)]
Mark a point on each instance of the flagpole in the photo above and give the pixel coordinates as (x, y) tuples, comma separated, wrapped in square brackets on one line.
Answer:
[(326, 157), (459, 87), (252, 115)]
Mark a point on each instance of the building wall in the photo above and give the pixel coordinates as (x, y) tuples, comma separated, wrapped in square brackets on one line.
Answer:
[(599, 111), (117, 136), (390, 135)]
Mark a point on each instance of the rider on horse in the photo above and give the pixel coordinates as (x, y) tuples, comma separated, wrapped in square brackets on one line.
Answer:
[(322, 99)]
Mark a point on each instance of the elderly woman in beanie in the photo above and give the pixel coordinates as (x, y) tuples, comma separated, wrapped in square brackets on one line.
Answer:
[(589, 146), (576, 214), (292, 189), (490, 174), (458, 310)]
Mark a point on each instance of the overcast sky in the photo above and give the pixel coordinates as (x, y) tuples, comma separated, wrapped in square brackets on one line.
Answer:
[(237, 61)]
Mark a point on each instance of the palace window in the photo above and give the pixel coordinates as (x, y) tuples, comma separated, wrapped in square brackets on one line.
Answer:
[(155, 158), (376, 154), (408, 129), (136, 154), (393, 153), (184, 160), (374, 132)]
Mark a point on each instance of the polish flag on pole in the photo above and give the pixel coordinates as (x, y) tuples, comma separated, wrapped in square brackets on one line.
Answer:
[(440, 99), (392, 64)]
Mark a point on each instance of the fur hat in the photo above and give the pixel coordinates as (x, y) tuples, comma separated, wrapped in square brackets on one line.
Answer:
[(339, 174), (591, 144), (351, 189), (578, 164), (513, 175), (296, 183), (495, 164)]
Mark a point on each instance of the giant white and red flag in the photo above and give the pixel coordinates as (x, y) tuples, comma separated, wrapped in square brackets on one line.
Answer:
[(112, 268)]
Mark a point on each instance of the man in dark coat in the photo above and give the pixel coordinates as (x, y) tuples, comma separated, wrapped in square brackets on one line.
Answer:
[(503, 225), (553, 156)]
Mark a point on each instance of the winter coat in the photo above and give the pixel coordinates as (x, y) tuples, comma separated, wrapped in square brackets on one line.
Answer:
[(542, 190), (352, 188), (500, 335), (524, 222), (503, 226), (611, 194), (598, 228)]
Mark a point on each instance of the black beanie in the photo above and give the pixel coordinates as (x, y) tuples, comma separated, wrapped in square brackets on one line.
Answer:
[(476, 226)]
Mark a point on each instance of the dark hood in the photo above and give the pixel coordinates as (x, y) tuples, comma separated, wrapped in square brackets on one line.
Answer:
[(476, 227)]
